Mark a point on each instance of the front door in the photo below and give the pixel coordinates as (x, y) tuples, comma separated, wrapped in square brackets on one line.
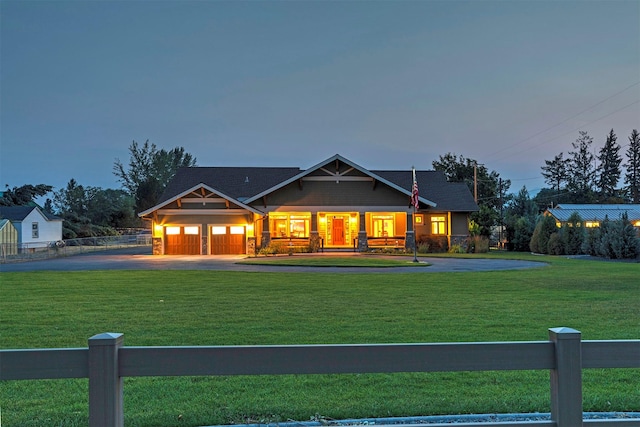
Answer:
[(338, 231)]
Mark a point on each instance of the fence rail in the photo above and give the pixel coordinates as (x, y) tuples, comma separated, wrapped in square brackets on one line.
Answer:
[(106, 362), (11, 252)]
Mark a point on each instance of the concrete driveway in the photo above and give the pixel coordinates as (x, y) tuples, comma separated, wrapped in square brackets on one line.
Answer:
[(141, 259)]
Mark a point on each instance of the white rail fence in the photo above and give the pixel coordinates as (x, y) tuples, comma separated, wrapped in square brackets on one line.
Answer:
[(107, 361)]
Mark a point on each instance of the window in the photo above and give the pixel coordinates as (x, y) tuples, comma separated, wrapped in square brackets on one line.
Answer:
[(34, 230), (438, 225), (290, 225), (591, 224), (191, 230), (218, 230), (237, 230), (172, 230), (383, 225)]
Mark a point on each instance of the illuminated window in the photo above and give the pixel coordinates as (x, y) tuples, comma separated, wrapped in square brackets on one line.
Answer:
[(419, 219), (438, 225), (218, 230), (299, 226), (591, 224), (172, 230), (237, 230), (383, 225), (191, 230), (290, 225)]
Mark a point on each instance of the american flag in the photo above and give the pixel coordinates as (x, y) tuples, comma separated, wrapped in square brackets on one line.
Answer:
[(414, 192)]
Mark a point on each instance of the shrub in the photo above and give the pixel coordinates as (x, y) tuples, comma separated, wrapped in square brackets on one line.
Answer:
[(574, 235), (555, 246), (478, 244), (545, 227), (432, 244)]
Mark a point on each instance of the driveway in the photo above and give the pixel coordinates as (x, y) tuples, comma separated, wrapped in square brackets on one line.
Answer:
[(141, 259)]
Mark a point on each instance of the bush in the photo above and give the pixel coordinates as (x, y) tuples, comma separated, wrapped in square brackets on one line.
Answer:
[(432, 244), (555, 246), (574, 235), (478, 244), (545, 227)]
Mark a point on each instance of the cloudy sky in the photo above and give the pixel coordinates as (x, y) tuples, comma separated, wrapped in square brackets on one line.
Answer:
[(387, 84)]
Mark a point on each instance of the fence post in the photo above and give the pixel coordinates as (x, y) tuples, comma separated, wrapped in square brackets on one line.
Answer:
[(105, 383), (566, 378)]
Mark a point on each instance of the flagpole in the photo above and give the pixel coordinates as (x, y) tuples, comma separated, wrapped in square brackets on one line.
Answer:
[(415, 240)]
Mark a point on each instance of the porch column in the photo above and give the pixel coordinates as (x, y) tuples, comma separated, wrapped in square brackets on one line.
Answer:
[(314, 236), (266, 234), (410, 237), (363, 243)]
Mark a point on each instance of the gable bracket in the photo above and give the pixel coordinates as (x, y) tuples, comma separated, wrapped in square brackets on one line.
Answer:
[(300, 183)]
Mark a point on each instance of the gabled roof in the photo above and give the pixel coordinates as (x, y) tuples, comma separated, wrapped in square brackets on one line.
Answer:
[(593, 212), (243, 185), (19, 213), (433, 185), (339, 158), (195, 189), (239, 183)]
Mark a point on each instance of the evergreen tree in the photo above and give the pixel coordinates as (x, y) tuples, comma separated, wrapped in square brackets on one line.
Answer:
[(609, 171), (574, 235), (556, 172), (582, 170), (23, 196), (520, 219), (545, 227), (632, 177)]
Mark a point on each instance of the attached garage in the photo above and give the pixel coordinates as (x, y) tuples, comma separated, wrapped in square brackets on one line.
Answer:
[(227, 240), (182, 240)]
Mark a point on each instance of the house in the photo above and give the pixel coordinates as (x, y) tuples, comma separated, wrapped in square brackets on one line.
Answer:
[(333, 205), (592, 215), (35, 228)]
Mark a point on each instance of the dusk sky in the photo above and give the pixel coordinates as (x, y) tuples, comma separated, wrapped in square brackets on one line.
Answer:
[(386, 84)]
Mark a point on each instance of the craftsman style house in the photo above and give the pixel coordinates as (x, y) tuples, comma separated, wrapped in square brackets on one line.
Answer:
[(333, 205)]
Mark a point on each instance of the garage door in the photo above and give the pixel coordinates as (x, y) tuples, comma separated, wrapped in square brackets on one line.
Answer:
[(227, 240), (182, 241)]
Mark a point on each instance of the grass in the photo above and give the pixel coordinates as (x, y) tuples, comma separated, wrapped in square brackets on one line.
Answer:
[(336, 261), (63, 309)]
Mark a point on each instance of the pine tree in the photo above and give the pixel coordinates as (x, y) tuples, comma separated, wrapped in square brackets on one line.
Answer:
[(632, 177), (582, 170), (556, 172), (609, 171)]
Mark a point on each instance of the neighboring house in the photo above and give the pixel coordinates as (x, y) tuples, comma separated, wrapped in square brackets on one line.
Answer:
[(35, 228), (593, 215), (333, 205), (8, 238)]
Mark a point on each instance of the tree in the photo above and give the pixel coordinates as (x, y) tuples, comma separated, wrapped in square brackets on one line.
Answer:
[(609, 171), (556, 172), (632, 177), (149, 171), (545, 227), (582, 170), (92, 211), (490, 187), (520, 220), (574, 234), (23, 196)]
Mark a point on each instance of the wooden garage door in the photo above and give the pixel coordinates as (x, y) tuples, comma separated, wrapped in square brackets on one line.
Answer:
[(182, 243), (231, 242)]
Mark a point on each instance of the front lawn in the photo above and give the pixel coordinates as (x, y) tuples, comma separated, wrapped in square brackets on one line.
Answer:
[(63, 309)]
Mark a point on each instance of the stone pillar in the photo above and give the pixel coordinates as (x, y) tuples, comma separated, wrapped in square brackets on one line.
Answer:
[(205, 240), (266, 234), (363, 243), (410, 237)]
